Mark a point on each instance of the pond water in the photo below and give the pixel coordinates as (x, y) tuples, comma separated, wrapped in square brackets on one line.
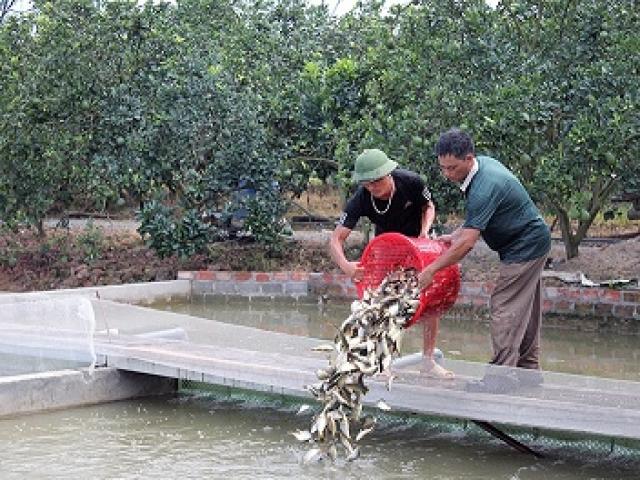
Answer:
[(247, 436)]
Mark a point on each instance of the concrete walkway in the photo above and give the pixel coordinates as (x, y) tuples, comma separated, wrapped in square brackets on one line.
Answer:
[(239, 356), (273, 362)]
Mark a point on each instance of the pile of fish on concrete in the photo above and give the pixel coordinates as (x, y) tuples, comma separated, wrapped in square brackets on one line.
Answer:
[(365, 345)]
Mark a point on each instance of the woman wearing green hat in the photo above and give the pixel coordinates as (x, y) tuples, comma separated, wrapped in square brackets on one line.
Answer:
[(395, 200)]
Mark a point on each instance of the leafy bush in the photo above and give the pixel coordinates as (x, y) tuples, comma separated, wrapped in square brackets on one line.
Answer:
[(91, 241)]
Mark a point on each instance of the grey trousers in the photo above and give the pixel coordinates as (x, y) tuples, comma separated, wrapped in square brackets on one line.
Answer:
[(516, 314)]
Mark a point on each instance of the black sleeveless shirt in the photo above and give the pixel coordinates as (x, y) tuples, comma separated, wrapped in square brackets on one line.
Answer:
[(405, 212)]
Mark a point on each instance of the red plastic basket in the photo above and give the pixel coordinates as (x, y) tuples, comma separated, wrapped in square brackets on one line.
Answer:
[(391, 251)]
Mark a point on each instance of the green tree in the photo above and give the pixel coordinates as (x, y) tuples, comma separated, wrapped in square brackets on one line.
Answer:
[(44, 120), (566, 114), (412, 74), (178, 105)]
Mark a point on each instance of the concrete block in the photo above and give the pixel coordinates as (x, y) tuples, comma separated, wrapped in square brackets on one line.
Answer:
[(69, 388), (272, 289), (296, 288), (201, 287), (249, 288), (224, 288)]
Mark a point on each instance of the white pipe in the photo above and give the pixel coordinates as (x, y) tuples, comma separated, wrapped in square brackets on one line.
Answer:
[(169, 334), (414, 358)]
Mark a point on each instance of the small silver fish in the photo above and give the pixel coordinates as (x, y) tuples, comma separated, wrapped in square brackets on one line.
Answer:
[(362, 433), (313, 455), (324, 347), (353, 454), (302, 409), (332, 452), (302, 435)]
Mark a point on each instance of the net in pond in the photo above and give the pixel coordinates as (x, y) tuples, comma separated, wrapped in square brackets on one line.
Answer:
[(554, 445), (40, 333)]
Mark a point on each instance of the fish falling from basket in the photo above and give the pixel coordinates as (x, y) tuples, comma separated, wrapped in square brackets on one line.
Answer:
[(366, 343)]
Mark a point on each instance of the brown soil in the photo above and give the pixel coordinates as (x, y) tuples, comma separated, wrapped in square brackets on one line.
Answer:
[(88, 257), (600, 263), (114, 254), (109, 252), (71, 259)]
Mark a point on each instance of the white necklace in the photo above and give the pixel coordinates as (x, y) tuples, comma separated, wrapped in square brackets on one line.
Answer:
[(386, 209)]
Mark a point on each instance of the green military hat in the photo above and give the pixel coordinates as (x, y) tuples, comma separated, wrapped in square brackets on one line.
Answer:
[(372, 164)]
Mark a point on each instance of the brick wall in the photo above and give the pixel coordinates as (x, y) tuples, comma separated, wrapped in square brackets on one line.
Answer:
[(582, 301)]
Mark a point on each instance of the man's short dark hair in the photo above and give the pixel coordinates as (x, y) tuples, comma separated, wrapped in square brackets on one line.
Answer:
[(455, 142)]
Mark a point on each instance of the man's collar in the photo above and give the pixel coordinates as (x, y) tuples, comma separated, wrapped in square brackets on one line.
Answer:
[(470, 175)]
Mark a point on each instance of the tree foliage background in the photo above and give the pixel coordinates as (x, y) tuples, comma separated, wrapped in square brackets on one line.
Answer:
[(179, 106)]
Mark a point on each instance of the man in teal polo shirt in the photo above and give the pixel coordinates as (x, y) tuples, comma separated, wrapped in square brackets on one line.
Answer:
[(499, 210)]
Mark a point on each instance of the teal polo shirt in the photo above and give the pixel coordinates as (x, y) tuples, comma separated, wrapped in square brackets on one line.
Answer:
[(498, 205)]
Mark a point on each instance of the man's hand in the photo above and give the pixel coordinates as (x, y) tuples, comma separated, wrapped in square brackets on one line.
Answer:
[(355, 271), (425, 278)]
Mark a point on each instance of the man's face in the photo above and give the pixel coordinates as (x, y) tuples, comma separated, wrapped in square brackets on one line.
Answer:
[(379, 187), (454, 168)]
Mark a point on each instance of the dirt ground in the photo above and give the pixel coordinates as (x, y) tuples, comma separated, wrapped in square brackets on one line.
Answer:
[(101, 252), (115, 254), (599, 263)]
